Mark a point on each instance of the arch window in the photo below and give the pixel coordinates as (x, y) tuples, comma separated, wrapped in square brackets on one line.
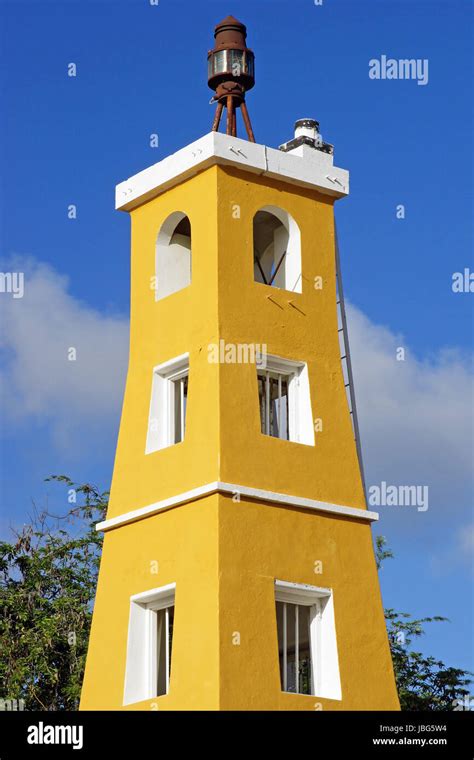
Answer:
[(277, 249), (173, 255)]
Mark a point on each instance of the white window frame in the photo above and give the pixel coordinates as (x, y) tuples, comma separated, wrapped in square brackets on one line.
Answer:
[(325, 676), (141, 671), (300, 418), (161, 418)]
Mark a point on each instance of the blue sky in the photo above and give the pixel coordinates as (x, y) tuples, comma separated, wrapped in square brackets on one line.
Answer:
[(141, 69)]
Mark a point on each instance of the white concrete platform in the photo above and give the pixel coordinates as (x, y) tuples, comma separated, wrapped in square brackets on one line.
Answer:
[(303, 166)]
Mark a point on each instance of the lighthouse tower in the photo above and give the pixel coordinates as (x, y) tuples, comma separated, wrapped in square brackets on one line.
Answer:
[(238, 571)]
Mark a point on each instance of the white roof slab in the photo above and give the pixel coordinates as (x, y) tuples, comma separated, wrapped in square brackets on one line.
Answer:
[(304, 166)]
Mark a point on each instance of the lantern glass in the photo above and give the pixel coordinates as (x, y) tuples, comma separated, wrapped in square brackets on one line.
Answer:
[(250, 64), (219, 62), (236, 62)]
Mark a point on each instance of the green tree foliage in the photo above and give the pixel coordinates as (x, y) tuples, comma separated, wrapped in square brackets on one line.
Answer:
[(423, 683), (48, 577)]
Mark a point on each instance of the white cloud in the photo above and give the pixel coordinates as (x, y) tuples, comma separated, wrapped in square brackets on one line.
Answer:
[(416, 416), (466, 540), (456, 552), (38, 384)]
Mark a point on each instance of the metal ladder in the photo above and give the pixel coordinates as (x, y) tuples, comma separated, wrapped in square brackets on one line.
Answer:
[(346, 360)]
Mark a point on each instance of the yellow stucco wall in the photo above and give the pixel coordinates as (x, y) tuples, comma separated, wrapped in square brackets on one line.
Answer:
[(224, 302), (183, 544), (224, 556), (185, 322), (260, 543), (303, 330)]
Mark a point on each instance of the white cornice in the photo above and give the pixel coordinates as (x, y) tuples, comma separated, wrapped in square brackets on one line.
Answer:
[(271, 497), (303, 166)]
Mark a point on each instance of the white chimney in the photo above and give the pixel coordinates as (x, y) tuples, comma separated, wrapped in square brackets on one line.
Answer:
[(307, 133), (307, 128)]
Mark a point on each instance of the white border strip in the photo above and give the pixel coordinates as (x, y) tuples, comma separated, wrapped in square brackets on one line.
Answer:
[(304, 167), (231, 488)]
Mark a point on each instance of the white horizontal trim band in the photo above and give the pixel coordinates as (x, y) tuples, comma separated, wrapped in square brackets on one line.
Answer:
[(232, 488), (304, 166)]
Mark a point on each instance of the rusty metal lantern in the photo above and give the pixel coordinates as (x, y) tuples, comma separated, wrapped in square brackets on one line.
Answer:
[(231, 73)]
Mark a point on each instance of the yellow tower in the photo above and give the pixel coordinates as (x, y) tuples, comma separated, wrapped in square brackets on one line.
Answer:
[(238, 571)]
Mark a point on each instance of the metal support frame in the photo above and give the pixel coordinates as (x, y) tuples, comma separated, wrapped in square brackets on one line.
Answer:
[(232, 103), (347, 358)]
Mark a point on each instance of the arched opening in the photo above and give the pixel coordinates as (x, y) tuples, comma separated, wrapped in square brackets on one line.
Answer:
[(173, 255), (277, 249)]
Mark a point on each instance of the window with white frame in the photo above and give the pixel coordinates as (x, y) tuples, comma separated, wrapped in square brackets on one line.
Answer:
[(277, 249), (150, 642), (162, 646), (284, 400), (307, 646), (168, 406), (173, 255), (179, 390)]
